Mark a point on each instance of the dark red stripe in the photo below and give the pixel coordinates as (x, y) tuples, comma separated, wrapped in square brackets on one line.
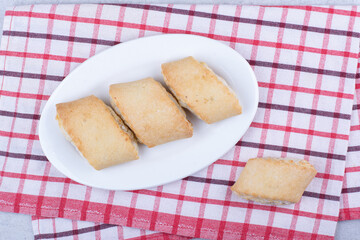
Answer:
[(79, 60), (230, 183), (302, 69), (356, 106), (304, 110), (261, 105), (350, 190), (208, 180), (291, 150), (73, 232), (163, 29), (244, 20), (321, 196), (239, 40), (31, 75), (60, 37), (240, 143), (23, 156), (20, 115), (191, 178), (353, 148)]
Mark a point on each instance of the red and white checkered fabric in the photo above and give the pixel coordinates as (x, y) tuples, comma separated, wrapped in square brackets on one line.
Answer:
[(349, 201), (350, 197), (65, 229), (305, 60)]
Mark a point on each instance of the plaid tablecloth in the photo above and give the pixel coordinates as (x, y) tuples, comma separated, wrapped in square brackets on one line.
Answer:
[(350, 197), (45, 228), (306, 63)]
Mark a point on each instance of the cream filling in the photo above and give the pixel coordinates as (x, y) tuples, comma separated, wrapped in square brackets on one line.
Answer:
[(125, 124), (176, 103), (124, 127)]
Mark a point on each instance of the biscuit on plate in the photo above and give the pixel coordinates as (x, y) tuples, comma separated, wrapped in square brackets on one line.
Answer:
[(274, 180), (150, 111), (97, 132), (200, 90)]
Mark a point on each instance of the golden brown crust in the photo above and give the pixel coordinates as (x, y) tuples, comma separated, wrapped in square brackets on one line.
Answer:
[(200, 90), (151, 114), (91, 127), (274, 180)]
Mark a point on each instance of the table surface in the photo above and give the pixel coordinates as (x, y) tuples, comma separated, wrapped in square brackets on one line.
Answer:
[(18, 226)]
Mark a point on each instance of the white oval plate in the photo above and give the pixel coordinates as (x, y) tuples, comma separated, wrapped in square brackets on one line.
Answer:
[(135, 60)]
